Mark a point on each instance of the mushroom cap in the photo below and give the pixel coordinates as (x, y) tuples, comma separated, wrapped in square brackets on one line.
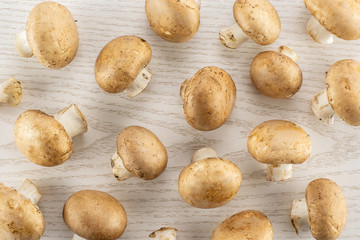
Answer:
[(258, 19), (209, 183), (326, 208), (52, 34), (120, 62), (42, 139), (20, 219), (95, 215), (142, 152), (174, 21), (279, 142), (244, 225), (209, 98), (275, 75), (339, 17), (343, 90)]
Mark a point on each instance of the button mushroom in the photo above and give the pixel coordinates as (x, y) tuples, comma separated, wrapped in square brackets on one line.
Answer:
[(20, 218), (93, 214), (46, 140), (323, 210), (209, 181), (338, 17), (279, 144), (255, 19), (209, 98), (10, 92), (165, 233), (174, 21), (276, 74), (51, 35), (245, 225), (342, 94), (122, 65), (139, 153)]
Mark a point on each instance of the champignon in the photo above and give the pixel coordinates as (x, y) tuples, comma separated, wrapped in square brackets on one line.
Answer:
[(139, 153), (209, 181), (255, 19), (122, 65), (10, 92), (93, 214), (174, 21), (279, 144), (46, 140), (323, 210), (338, 17), (250, 224), (209, 98), (20, 218), (165, 233), (51, 35), (342, 94)]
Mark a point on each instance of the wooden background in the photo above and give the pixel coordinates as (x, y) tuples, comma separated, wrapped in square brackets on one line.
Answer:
[(153, 204)]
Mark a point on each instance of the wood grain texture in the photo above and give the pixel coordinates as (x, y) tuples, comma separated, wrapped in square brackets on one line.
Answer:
[(153, 204)]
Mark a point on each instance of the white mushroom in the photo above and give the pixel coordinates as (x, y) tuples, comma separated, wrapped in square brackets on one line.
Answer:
[(165, 233), (10, 92)]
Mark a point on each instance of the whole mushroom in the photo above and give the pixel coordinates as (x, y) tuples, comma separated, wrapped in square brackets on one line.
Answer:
[(164, 233), (10, 92)]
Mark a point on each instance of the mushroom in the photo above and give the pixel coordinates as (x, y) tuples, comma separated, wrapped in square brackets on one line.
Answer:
[(209, 98), (46, 140), (10, 92), (165, 233), (276, 74), (92, 214), (250, 224), (139, 153), (255, 19), (323, 210), (338, 17), (342, 94), (20, 218), (279, 144), (122, 65), (209, 181), (51, 35), (173, 20)]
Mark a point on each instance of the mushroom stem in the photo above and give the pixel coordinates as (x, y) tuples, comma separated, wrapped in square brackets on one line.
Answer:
[(183, 88), (165, 233), (22, 45), (30, 191), (288, 52), (140, 83), (118, 168), (77, 237), (299, 216), (10, 92), (203, 153), (72, 120), (321, 107), (232, 37), (280, 172), (318, 32)]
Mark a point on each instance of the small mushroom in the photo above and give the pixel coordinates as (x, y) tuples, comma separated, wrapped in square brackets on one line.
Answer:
[(165, 233), (255, 19), (342, 94), (323, 210), (209, 181), (139, 153), (10, 92), (209, 98), (20, 218), (51, 35), (173, 20), (279, 144), (93, 214), (46, 140), (276, 74), (338, 17), (122, 65), (244, 225)]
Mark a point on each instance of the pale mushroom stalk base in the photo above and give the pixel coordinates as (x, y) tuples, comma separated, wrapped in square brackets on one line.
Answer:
[(318, 32), (118, 168), (30, 191), (203, 153), (288, 52), (322, 108), (10, 92), (140, 83), (22, 45), (232, 37), (77, 237), (72, 120), (299, 216), (280, 172), (165, 233)]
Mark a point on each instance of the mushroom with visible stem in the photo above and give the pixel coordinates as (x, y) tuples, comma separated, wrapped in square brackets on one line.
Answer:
[(164, 233), (10, 92)]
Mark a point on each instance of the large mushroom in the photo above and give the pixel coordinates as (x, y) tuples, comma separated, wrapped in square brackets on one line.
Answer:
[(10, 92), (46, 140), (164, 233), (51, 35)]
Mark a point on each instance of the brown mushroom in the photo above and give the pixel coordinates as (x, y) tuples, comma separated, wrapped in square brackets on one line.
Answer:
[(164, 233), (10, 92)]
